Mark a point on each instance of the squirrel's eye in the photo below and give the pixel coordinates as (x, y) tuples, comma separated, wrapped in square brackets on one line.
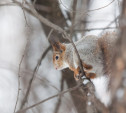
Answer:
[(57, 57)]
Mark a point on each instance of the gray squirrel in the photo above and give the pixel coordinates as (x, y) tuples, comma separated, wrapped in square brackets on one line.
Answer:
[(96, 54)]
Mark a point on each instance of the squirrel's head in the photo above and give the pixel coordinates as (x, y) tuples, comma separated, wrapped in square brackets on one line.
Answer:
[(58, 55)]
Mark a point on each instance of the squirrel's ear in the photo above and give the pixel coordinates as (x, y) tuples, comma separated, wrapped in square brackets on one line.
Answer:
[(54, 44), (62, 47), (57, 46)]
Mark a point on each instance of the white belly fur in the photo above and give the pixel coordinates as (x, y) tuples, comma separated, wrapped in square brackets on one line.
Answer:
[(101, 89)]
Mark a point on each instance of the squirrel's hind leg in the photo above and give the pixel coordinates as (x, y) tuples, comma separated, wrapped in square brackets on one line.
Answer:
[(90, 75), (87, 69), (78, 74)]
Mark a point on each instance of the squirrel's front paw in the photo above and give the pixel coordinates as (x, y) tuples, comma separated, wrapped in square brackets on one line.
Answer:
[(77, 74), (77, 77)]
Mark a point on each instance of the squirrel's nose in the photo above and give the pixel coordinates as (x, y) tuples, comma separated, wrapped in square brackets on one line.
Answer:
[(56, 68)]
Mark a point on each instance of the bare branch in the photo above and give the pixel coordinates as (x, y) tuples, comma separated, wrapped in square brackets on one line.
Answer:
[(18, 82)]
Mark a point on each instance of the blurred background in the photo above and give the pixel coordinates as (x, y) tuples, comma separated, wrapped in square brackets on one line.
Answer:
[(27, 75)]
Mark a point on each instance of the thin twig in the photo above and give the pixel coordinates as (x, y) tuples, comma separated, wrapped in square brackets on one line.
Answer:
[(91, 29), (22, 6), (82, 12), (19, 77), (18, 83), (59, 94), (101, 7), (23, 2), (34, 73)]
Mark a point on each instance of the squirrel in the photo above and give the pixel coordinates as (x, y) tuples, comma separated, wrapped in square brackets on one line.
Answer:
[(95, 53)]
